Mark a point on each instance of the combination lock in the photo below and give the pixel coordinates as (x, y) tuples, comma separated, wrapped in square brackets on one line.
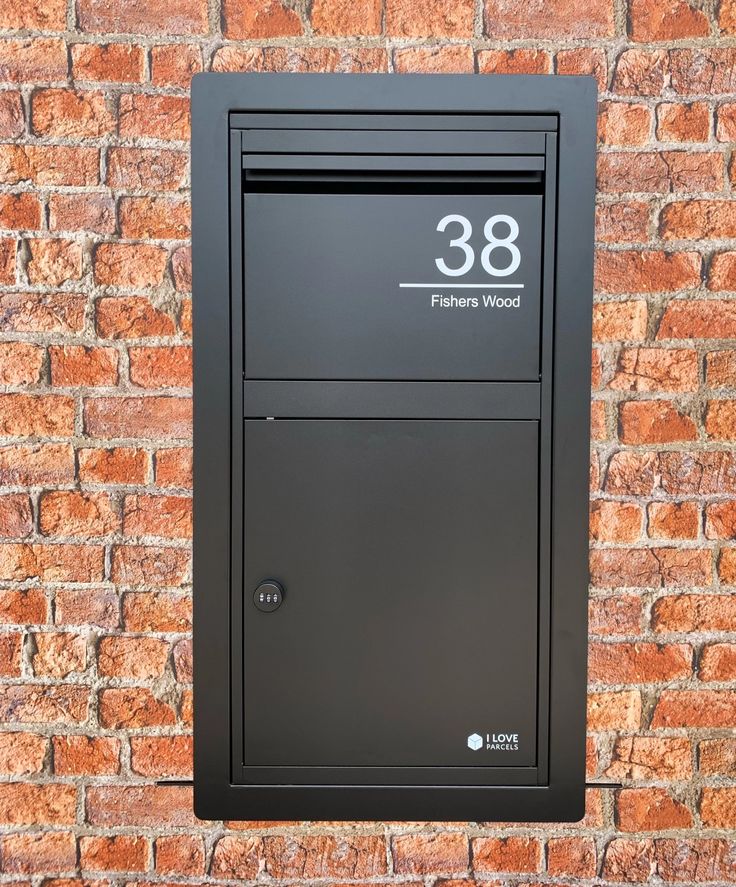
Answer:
[(268, 596)]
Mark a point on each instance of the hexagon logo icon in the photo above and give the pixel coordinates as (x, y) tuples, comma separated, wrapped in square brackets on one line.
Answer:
[(475, 741)]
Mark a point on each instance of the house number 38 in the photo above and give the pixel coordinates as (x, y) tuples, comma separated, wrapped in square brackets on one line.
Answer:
[(493, 244)]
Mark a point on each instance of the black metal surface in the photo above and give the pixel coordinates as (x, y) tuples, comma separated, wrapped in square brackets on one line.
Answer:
[(561, 111)]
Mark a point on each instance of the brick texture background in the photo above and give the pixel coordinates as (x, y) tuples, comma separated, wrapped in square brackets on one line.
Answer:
[(95, 418)]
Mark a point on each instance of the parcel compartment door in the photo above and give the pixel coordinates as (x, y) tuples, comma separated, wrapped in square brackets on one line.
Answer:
[(408, 554)]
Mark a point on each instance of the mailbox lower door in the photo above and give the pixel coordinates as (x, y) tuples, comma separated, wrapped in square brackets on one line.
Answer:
[(407, 635)]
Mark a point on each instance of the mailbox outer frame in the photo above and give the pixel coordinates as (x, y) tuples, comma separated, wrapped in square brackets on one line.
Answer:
[(214, 98)]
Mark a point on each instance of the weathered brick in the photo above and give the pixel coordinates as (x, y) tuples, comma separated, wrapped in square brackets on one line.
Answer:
[(183, 661), (622, 222), (10, 653), (512, 854), (614, 321), (89, 606), (434, 59), (718, 807), (139, 169), (33, 60), (128, 708), (695, 708), (75, 365), (720, 520), (54, 262), (38, 852), (718, 662), (720, 369), (43, 704), (24, 415), (615, 521), (154, 367), (666, 20), (80, 755), (145, 218), (69, 113), (49, 164), (162, 417), (673, 520), (108, 62), (239, 856), (12, 114), (654, 421), (424, 18), (623, 123), (698, 319), (180, 855), (21, 606), (641, 72), (610, 616), (650, 567), (181, 270), (717, 757), (164, 117), (143, 16), (617, 710), (41, 312), (148, 565), (585, 61), (16, 516), (8, 255), (631, 474), (51, 563), (698, 71), (27, 803), (82, 212), (326, 856), (20, 212), (113, 853), (139, 658), (119, 465), (694, 612), (157, 611), (40, 15), (78, 514), (141, 805), (323, 59), (333, 18), (58, 654), (720, 419), (161, 756), (650, 758), (174, 64), (640, 663), (129, 264), (554, 19), (656, 369), (22, 754), (131, 317), (168, 517), (698, 220), (650, 810), (683, 122), (722, 272), (514, 61)]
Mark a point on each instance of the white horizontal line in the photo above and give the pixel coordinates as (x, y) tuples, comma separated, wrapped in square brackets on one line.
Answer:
[(484, 286)]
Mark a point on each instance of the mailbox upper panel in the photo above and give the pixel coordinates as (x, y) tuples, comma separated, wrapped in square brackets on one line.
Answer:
[(392, 286)]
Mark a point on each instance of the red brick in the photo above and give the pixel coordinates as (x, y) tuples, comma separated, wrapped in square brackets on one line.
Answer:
[(43, 415), (720, 419), (553, 19), (151, 169), (38, 60), (727, 17), (58, 654), (20, 212), (186, 709), (640, 72), (695, 708), (326, 856), (698, 319), (41, 312), (88, 606), (620, 710), (164, 117), (618, 615), (720, 520), (82, 212), (650, 758), (616, 321), (321, 59), (16, 516), (429, 18), (149, 565), (40, 704), (162, 417), (75, 365), (720, 369), (131, 317), (512, 854), (571, 856), (185, 316), (31, 852), (718, 808), (717, 757), (51, 563), (654, 421), (238, 856), (119, 465), (131, 707), (584, 60), (113, 853), (8, 252), (673, 520), (10, 653), (693, 613), (180, 855), (623, 123), (596, 368), (107, 62), (698, 220), (174, 64), (660, 172), (145, 218), (143, 16), (74, 513), (701, 71), (161, 757), (259, 19), (641, 663), (622, 222), (22, 754), (666, 20), (181, 271), (615, 521), (722, 272), (129, 264), (183, 661), (40, 15), (631, 474), (168, 517), (514, 61), (434, 59), (74, 114), (138, 658), (49, 165), (26, 803), (141, 805), (22, 606), (656, 369), (79, 755), (679, 122), (12, 115), (161, 367), (650, 567), (333, 18), (650, 810), (646, 271), (718, 662), (54, 261), (157, 611)]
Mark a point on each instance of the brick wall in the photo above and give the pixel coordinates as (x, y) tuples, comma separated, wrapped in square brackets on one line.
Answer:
[(95, 415)]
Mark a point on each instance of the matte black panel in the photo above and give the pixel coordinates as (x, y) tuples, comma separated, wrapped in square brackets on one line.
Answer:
[(407, 554), (348, 287), (392, 122)]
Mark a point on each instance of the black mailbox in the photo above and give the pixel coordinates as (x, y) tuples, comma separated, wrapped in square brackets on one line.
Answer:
[(392, 293)]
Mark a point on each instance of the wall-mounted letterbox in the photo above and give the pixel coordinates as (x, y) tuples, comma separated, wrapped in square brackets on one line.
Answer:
[(392, 288)]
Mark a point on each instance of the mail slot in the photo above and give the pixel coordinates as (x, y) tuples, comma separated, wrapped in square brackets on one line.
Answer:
[(392, 287)]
